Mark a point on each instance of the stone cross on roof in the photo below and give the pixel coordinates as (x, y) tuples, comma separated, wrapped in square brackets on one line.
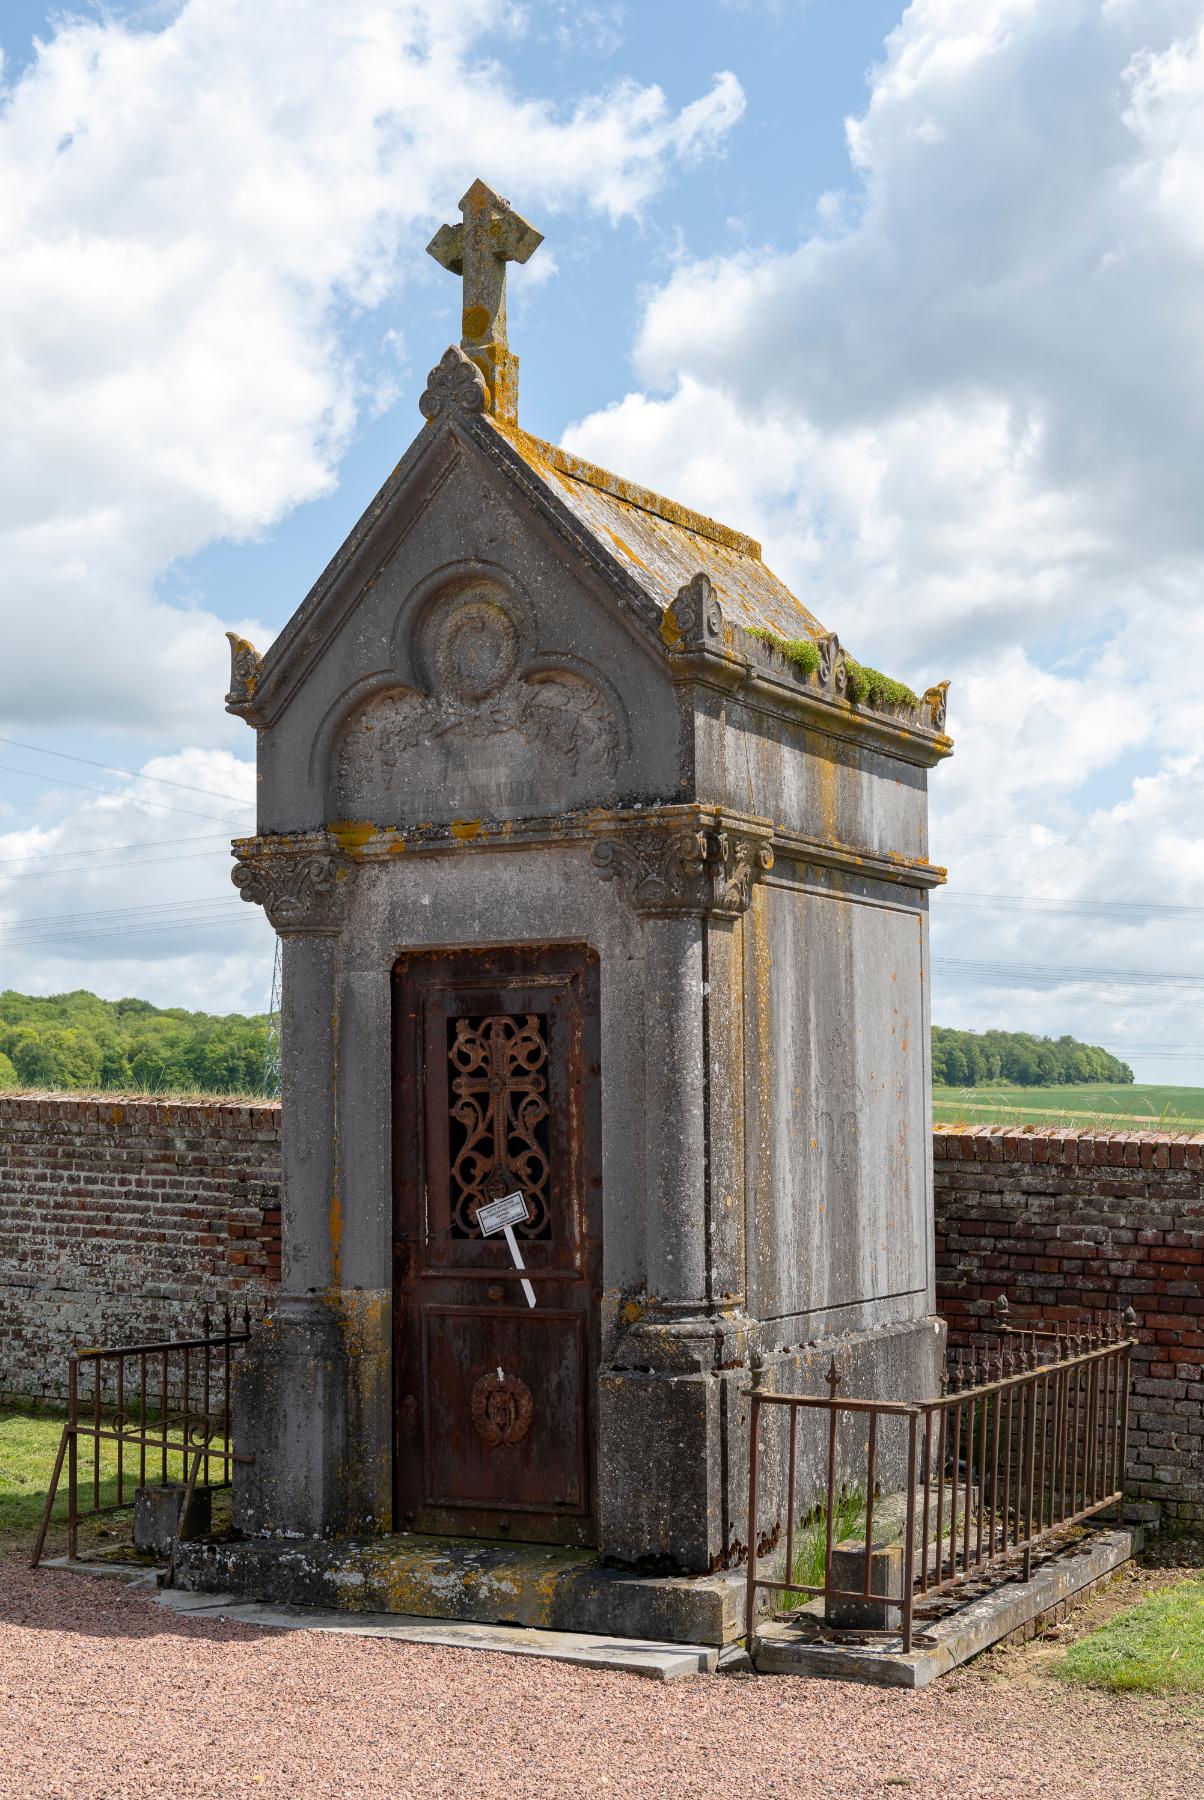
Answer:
[(479, 249)]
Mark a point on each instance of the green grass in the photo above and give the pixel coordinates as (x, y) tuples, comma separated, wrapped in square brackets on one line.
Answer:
[(1092, 1106), (29, 1441), (1156, 1646), (811, 1542)]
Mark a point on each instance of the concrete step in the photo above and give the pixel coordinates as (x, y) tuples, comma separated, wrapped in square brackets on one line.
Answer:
[(1001, 1605), (630, 1656)]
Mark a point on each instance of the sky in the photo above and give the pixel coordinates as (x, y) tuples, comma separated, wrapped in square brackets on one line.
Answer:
[(914, 294)]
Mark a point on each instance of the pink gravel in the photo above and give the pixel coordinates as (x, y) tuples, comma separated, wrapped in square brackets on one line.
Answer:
[(104, 1694)]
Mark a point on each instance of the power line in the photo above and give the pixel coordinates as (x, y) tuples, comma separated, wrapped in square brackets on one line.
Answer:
[(207, 837), (102, 912), (133, 774), (143, 931), (1066, 838), (1045, 974), (125, 917), (110, 794), (271, 1041), (136, 862), (1038, 903)]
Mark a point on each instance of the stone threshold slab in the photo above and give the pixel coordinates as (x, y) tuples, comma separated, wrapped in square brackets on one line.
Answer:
[(137, 1574), (779, 1648), (630, 1656), (525, 1586)]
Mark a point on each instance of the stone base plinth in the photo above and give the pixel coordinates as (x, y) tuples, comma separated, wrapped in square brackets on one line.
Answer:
[(460, 1578)]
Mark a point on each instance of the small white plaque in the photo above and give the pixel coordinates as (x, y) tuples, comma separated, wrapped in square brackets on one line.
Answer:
[(495, 1215)]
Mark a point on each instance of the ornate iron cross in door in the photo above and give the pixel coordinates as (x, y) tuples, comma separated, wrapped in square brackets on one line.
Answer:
[(500, 1105)]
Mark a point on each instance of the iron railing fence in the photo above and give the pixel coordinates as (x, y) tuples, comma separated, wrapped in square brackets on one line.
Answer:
[(1026, 1438), (139, 1413)]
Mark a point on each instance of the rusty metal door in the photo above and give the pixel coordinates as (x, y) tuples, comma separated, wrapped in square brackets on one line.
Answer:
[(496, 1088)]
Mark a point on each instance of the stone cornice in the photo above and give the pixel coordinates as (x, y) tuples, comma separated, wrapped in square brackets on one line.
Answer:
[(709, 648), (680, 858), (911, 871)]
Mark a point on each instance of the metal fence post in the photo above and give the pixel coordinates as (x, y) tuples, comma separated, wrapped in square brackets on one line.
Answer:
[(750, 1592)]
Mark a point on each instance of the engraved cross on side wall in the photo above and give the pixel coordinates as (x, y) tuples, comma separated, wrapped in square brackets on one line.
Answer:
[(491, 236)]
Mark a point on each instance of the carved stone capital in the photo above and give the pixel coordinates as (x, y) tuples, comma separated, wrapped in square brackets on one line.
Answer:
[(299, 892), (668, 869), (246, 665), (697, 614), (454, 381)]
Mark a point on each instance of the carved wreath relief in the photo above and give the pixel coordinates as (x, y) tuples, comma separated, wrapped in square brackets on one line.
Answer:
[(502, 1408), (489, 736)]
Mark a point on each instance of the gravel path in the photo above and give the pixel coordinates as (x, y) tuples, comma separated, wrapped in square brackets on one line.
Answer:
[(104, 1694)]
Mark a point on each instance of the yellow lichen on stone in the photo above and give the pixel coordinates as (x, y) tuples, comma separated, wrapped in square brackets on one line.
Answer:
[(352, 834)]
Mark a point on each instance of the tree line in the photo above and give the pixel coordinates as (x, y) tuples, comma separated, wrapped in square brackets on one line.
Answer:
[(972, 1058), (77, 1041)]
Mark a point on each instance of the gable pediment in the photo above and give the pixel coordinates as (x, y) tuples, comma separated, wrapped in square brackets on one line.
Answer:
[(494, 730)]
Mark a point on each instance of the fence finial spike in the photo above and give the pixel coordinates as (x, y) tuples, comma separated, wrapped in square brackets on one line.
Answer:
[(1129, 1318), (1002, 1309), (833, 1378)]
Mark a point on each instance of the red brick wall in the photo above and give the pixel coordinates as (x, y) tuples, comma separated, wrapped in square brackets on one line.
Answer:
[(121, 1219), (1061, 1223)]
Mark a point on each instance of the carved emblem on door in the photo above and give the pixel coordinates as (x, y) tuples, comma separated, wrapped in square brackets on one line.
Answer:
[(502, 1408)]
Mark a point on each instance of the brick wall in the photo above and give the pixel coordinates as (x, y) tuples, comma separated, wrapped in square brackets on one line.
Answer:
[(1061, 1222), (120, 1219)]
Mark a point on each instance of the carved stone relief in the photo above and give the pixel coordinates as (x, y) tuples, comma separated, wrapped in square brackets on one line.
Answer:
[(490, 739), (298, 893), (668, 869)]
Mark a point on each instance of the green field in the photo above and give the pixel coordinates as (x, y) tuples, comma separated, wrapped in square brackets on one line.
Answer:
[(1107, 1107)]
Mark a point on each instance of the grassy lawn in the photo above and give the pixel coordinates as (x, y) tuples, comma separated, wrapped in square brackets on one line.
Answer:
[(811, 1546), (1156, 1646), (1090, 1107), (29, 1441)]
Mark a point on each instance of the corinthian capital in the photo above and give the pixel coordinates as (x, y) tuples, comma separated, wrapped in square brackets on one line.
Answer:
[(303, 890), (672, 868)]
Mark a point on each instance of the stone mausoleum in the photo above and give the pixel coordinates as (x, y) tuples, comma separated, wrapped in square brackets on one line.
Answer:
[(602, 876)]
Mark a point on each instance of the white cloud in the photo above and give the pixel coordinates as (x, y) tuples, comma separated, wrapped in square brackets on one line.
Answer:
[(187, 217), (129, 893), (966, 416)]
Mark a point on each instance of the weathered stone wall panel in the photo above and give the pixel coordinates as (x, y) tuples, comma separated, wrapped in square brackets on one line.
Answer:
[(838, 1108)]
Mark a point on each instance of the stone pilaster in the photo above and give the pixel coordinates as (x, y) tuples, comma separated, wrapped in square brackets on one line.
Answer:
[(312, 1393), (669, 1396)]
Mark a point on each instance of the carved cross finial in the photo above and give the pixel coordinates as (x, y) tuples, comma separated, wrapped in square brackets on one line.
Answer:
[(478, 250)]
